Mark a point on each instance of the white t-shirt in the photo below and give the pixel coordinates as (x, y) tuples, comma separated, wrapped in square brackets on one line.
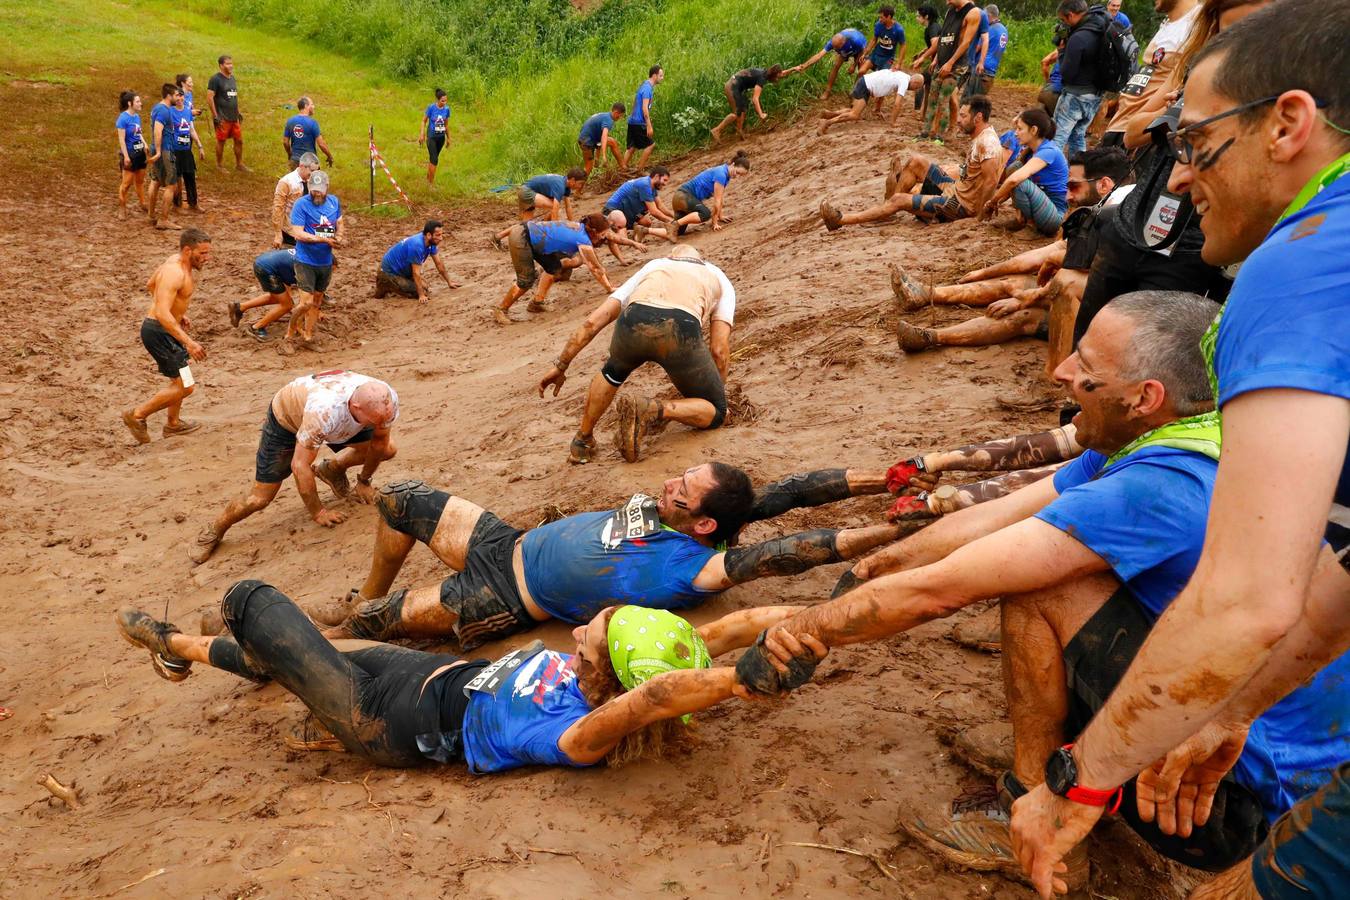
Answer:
[(315, 408), (885, 82), (693, 285)]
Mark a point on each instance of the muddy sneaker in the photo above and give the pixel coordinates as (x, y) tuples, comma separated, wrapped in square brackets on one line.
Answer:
[(142, 631), (636, 418), (500, 317), (200, 550), (497, 243), (184, 426), (136, 426), (332, 476), (910, 294), (987, 748), (330, 612), (983, 632), (236, 314), (536, 306), (258, 334), (832, 218), (913, 339), (581, 450)]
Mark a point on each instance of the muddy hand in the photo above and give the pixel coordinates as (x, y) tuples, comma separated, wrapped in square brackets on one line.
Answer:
[(795, 656), (756, 670), (364, 493), (555, 377), (328, 517)]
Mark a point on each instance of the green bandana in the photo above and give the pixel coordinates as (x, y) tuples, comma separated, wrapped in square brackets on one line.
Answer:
[(1198, 434), (643, 643)]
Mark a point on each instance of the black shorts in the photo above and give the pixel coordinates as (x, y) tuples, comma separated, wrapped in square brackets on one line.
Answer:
[(402, 285), (685, 203), (312, 279), (137, 163), (375, 700), (164, 348), (267, 281), (673, 339), (860, 91), (276, 447), (435, 144), (1095, 660), (637, 137)]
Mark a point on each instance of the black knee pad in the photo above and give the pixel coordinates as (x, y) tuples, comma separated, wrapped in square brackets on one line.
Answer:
[(234, 605), (719, 415), (412, 507), (380, 619)]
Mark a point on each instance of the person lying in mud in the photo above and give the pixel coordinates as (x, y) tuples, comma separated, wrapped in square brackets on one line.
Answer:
[(661, 312), (669, 553), (625, 693), (1085, 563)]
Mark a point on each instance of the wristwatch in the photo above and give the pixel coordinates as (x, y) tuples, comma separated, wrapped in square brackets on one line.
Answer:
[(1061, 777)]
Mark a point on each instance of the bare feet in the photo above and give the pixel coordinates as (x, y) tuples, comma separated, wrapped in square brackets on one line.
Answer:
[(206, 543), (500, 316), (909, 294), (913, 339), (136, 426), (832, 217), (182, 426)]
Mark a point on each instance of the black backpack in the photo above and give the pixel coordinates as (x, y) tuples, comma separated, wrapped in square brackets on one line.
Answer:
[(1115, 61)]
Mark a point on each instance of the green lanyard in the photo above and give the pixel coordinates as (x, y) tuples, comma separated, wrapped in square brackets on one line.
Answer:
[(1197, 434)]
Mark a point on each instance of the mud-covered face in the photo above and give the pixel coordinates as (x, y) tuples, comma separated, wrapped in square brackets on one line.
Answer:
[(200, 255), (682, 497), (1108, 419)]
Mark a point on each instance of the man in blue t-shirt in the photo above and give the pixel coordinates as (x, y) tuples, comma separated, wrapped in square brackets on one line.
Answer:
[(401, 268), (302, 135), (998, 45), (635, 204), (595, 135), (847, 46), (557, 248), (886, 49), (163, 141), (662, 553), (548, 197), (275, 272), (318, 227), (1085, 563), (641, 135)]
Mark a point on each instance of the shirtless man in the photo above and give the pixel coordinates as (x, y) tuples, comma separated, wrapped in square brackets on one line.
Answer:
[(164, 332), (353, 414)]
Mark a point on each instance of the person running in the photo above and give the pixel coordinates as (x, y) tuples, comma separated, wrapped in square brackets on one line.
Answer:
[(690, 203), (951, 61), (874, 84), (743, 90), (435, 132), (352, 413), (641, 135), (184, 136), (131, 155), (1039, 186), (163, 172), (847, 46), (635, 203), (317, 227), (625, 694), (595, 136), (546, 197), (993, 57), (661, 312), (164, 333), (275, 271), (941, 195), (886, 49), (666, 553), (401, 268), (301, 134), (290, 188), (222, 96), (557, 248)]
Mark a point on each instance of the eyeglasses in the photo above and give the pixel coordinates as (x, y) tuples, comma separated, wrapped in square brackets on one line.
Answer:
[(1179, 143)]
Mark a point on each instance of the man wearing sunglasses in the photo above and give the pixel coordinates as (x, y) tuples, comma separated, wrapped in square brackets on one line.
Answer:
[(1264, 150)]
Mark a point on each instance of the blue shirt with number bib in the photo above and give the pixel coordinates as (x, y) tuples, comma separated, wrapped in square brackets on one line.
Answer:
[(182, 127), (318, 219), (410, 251), (521, 723), (130, 125), (437, 118)]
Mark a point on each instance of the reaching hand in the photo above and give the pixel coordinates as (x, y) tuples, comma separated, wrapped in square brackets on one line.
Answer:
[(1178, 790), (902, 474), (555, 377), (1045, 828)]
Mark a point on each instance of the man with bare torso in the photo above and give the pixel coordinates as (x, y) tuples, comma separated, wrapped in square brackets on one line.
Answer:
[(164, 332)]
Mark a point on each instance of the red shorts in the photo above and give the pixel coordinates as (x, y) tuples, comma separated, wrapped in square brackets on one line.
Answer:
[(227, 130)]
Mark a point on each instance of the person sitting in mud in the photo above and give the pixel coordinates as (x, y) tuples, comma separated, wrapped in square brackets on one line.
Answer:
[(164, 332), (625, 694), (847, 46), (691, 198), (401, 268), (661, 313), (942, 195), (1085, 563), (1038, 187), (875, 84), (1035, 293), (635, 205), (353, 414), (275, 271), (664, 553), (557, 248), (743, 90), (547, 197)]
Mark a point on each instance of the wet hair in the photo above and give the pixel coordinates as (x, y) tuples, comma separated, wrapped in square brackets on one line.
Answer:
[(980, 106), (1072, 7), (439, 93), (1036, 117), (1165, 346), (220, 60), (302, 103), (728, 503), (740, 161), (181, 79), (887, 11), (595, 224), (653, 70), (125, 99), (191, 237), (774, 72), (659, 170), (619, 108), (430, 226), (928, 12), (576, 173), (167, 90), (1103, 162), (1300, 57)]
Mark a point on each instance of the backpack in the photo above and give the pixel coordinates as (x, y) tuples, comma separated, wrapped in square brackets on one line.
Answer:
[(1115, 61)]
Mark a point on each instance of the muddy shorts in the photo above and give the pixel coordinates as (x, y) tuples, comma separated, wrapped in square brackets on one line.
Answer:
[(276, 447), (312, 279), (1308, 851), (637, 137), (268, 281), (395, 284), (525, 197), (673, 339), (163, 170), (164, 349), (685, 202), (1096, 659), (860, 91), (375, 700)]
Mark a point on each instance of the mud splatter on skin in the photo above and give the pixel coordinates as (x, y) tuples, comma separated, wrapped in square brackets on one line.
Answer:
[(1007, 454)]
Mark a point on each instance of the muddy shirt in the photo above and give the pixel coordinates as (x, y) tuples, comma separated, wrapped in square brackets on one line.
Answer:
[(697, 287), (982, 163), (521, 724), (290, 188), (314, 407)]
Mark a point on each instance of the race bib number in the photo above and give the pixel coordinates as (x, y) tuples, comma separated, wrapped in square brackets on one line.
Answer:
[(637, 518), (1161, 220), (440, 126), (325, 229), (231, 93), (185, 373), (496, 676), (1135, 86)]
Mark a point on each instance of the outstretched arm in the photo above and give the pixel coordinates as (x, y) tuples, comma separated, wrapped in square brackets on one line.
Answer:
[(597, 268), (814, 489), (1022, 451), (792, 554), (737, 630), (596, 322)]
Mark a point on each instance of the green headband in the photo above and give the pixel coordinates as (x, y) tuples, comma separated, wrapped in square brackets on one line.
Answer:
[(643, 643)]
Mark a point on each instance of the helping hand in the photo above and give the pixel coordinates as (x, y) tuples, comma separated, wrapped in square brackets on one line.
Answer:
[(1045, 828)]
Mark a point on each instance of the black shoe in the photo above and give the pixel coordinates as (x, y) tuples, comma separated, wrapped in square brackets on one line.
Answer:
[(142, 631)]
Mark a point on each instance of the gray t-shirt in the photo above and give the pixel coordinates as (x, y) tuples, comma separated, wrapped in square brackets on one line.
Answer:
[(227, 96)]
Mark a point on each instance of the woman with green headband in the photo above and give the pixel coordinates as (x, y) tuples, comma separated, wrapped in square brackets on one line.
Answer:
[(625, 693)]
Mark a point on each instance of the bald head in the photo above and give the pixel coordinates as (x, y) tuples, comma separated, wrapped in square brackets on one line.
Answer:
[(374, 403)]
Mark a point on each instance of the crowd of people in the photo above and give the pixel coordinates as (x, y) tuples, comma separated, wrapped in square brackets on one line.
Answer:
[(1168, 569)]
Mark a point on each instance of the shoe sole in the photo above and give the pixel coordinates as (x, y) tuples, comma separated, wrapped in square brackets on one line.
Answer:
[(161, 666)]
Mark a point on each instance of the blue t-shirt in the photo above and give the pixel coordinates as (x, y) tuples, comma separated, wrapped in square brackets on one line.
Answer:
[(645, 90), (130, 125), (522, 723), (594, 128), (889, 40), (1285, 325), (163, 114), (973, 54), (558, 237), (278, 263), (553, 187), (1054, 177), (1056, 79), (701, 185), (998, 43), (633, 196), (181, 120), (410, 251), (1123, 21), (438, 118), (316, 218), (1010, 142), (573, 573), (854, 43), (1146, 518), (303, 132)]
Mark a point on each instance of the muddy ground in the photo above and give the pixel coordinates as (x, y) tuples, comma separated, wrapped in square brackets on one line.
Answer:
[(189, 786)]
